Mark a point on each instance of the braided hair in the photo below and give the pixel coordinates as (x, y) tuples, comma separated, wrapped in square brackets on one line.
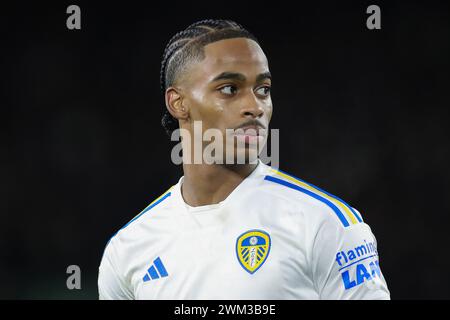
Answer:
[(187, 46)]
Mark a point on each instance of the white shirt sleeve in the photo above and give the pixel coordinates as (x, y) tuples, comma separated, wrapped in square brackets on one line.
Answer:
[(111, 285), (345, 263)]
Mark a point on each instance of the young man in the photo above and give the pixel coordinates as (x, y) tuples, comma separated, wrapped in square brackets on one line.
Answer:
[(236, 231)]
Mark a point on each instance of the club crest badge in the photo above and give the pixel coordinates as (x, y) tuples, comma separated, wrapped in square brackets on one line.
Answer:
[(252, 249)]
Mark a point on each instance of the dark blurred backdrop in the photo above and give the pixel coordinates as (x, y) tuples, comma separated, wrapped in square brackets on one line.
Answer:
[(363, 114)]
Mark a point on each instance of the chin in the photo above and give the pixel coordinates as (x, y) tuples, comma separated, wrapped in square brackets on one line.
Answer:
[(246, 155)]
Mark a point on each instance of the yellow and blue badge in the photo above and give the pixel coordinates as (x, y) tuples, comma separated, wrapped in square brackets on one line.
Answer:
[(252, 249)]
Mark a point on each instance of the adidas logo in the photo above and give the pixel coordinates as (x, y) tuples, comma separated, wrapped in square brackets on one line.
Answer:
[(152, 272)]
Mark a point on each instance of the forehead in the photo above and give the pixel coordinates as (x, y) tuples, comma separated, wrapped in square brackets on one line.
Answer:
[(238, 54)]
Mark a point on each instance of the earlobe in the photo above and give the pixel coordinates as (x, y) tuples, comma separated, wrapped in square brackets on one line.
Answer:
[(175, 104)]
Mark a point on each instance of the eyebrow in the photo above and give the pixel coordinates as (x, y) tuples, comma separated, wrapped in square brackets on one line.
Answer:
[(263, 76), (240, 77)]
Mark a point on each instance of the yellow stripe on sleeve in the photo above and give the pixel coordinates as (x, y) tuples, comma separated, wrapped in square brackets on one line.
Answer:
[(341, 205)]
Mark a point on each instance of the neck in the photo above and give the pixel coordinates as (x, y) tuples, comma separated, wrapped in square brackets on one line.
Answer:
[(205, 184)]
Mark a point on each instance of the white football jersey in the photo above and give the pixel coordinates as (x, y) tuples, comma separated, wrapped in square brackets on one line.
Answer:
[(274, 237)]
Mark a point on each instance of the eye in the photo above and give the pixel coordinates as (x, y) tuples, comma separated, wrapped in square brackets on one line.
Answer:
[(228, 90), (263, 91)]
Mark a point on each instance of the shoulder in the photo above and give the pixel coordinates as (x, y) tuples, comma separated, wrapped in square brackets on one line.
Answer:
[(157, 207), (316, 203)]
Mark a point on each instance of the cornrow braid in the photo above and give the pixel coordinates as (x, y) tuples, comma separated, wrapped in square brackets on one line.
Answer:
[(186, 46)]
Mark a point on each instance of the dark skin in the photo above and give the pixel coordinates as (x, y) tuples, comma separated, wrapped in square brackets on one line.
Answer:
[(228, 89)]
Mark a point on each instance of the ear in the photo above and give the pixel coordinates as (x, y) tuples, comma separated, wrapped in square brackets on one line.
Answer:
[(174, 103)]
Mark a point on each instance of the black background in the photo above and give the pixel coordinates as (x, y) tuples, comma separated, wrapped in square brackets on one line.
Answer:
[(362, 114)]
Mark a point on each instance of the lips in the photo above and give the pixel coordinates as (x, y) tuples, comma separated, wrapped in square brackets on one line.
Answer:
[(251, 134), (251, 130)]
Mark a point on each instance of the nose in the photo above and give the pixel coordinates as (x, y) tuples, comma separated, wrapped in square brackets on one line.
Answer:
[(252, 107)]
